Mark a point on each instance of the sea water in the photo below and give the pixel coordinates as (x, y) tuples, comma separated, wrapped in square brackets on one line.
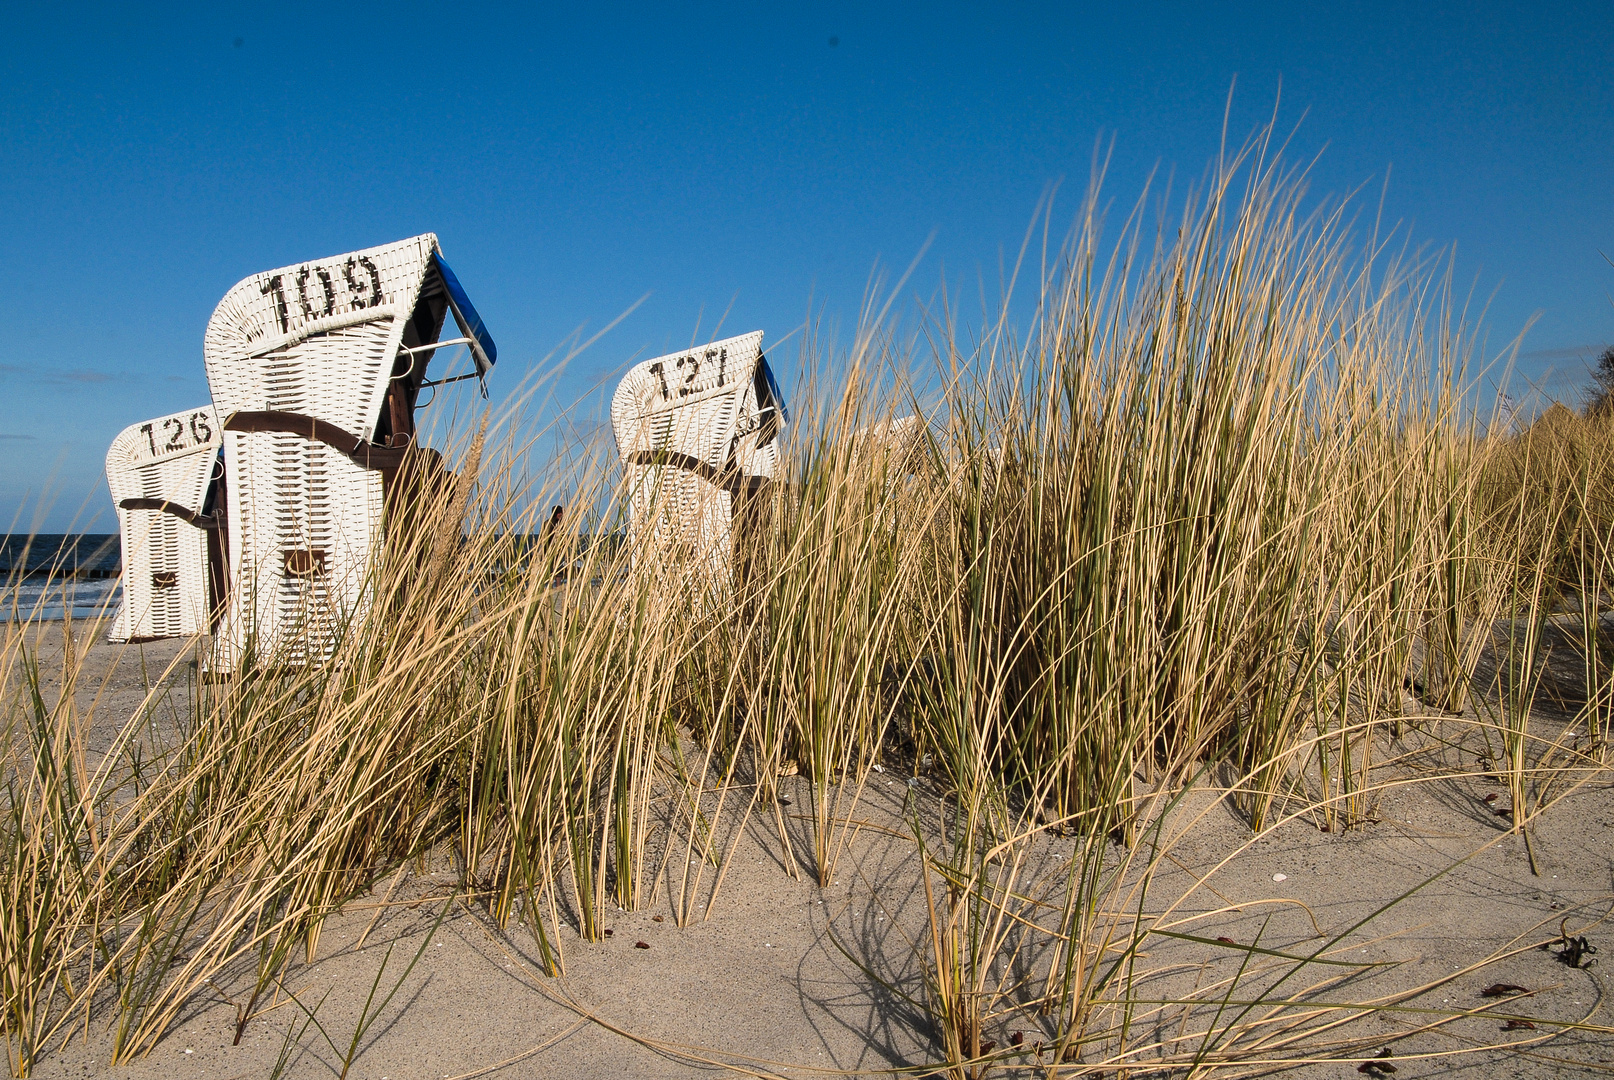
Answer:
[(53, 575)]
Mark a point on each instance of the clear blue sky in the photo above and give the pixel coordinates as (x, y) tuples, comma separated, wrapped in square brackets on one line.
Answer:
[(757, 155)]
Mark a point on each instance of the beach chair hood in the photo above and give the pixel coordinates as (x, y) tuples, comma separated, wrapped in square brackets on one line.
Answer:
[(715, 410), (356, 311)]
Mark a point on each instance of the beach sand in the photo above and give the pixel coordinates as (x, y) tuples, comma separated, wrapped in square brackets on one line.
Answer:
[(781, 977)]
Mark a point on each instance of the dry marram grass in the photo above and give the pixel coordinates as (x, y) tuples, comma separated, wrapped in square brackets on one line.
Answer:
[(1209, 515)]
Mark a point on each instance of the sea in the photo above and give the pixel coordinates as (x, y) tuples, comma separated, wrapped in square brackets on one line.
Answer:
[(53, 575)]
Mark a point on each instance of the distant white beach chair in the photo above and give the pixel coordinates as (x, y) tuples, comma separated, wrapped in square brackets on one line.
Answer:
[(895, 449), (895, 442), (160, 473), (315, 370), (698, 432)]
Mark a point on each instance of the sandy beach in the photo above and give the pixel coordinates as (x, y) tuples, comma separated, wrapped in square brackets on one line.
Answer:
[(780, 977)]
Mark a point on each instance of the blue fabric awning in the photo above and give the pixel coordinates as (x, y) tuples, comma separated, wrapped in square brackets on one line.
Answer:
[(470, 323)]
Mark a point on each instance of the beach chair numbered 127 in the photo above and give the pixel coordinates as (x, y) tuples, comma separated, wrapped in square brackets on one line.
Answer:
[(698, 432), (316, 370), (161, 474)]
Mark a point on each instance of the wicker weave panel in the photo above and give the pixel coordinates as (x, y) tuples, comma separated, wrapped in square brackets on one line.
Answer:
[(165, 588), (682, 527), (317, 339), (698, 409)]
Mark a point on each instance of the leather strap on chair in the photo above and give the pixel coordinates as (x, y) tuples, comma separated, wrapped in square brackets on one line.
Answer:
[(189, 517), (731, 481), (367, 455)]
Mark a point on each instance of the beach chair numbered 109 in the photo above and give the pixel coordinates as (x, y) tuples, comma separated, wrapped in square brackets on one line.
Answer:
[(698, 433), (316, 370), (161, 474)]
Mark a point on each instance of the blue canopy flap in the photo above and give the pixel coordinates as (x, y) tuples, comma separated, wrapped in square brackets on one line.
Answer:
[(768, 392), (470, 323)]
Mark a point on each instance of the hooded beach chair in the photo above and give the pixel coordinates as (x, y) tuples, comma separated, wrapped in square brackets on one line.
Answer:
[(165, 478), (315, 370), (895, 443), (698, 432), (894, 449)]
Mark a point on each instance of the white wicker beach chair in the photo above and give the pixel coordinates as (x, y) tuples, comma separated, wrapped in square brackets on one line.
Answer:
[(315, 370), (698, 431), (160, 473), (894, 443), (893, 451)]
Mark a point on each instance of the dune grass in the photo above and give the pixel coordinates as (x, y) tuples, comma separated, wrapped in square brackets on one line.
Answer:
[(1218, 508)]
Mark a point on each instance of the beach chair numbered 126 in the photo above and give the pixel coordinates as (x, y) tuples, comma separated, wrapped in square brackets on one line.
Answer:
[(698, 432), (161, 474), (316, 370)]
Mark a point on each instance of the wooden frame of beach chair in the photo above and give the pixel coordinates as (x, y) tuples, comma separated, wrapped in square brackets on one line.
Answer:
[(163, 475), (316, 370), (698, 432)]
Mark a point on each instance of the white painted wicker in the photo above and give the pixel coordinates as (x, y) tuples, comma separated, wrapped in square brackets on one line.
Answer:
[(892, 451), (893, 443), (162, 469), (312, 371), (695, 429)]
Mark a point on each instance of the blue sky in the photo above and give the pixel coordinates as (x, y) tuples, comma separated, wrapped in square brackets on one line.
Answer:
[(753, 158)]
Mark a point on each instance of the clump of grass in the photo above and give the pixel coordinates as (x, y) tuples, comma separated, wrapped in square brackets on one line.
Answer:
[(1218, 508)]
